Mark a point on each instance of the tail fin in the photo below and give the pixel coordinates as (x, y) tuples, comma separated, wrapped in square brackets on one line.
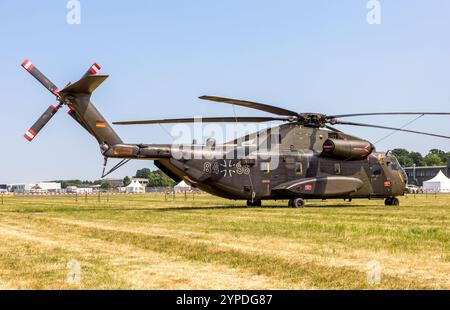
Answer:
[(77, 96)]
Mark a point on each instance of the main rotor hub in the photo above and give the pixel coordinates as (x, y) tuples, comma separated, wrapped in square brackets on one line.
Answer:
[(312, 119)]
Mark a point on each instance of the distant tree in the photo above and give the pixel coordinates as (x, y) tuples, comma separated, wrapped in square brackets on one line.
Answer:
[(433, 160), (126, 181), (143, 173), (441, 154), (105, 186), (418, 159), (404, 157), (158, 178)]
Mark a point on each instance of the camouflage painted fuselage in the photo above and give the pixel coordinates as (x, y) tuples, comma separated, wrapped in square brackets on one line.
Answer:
[(301, 169)]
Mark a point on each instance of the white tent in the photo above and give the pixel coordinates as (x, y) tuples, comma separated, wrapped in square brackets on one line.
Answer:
[(439, 184), (135, 187), (181, 187)]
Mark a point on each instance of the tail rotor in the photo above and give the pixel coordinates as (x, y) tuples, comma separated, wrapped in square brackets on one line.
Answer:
[(31, 133)]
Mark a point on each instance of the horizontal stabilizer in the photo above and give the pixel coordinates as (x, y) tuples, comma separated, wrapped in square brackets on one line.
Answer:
[(86, 85)]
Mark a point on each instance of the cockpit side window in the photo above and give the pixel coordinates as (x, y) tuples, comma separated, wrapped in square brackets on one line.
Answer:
[(394, 165)]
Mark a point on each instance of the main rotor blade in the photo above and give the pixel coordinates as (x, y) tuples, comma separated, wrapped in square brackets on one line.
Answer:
[(204, 120), (41, 122), (391, 128), (252, 105), (27, 65), (332, 128), (388, 113)]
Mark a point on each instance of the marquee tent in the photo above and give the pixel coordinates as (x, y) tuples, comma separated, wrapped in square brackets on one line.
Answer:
[(439, 184), (135, 187)]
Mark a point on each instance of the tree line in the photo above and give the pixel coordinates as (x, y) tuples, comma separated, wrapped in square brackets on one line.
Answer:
[(155, 178), (435, 157)]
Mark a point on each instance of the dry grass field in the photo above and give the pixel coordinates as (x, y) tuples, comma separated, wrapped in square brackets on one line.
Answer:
[(146, 242)]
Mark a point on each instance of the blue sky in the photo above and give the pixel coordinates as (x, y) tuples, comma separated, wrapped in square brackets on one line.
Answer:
[(306, 56)]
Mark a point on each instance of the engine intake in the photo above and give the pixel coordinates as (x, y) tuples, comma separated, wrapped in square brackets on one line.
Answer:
[(347, 149)]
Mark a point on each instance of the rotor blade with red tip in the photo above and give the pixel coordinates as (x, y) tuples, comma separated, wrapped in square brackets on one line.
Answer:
[(40, 123), (27, 65), (94, 69)]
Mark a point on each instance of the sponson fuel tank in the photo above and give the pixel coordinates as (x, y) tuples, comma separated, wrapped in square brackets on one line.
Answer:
[(347, 149)]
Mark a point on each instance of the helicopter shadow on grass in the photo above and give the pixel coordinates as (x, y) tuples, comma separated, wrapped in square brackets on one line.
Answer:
[(189, 208), (226, 207)]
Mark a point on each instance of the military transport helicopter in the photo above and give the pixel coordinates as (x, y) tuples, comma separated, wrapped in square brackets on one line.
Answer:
[(314, 160)]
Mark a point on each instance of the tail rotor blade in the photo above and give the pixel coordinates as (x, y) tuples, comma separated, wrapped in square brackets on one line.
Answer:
[(27, 65), (41, 122), (93, 70)]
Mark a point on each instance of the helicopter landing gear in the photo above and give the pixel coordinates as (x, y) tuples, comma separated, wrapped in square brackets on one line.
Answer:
[(296, 203), (254, 203), (392, 202)]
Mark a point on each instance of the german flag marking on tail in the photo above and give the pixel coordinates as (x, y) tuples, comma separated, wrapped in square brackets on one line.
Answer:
[(100, 124)]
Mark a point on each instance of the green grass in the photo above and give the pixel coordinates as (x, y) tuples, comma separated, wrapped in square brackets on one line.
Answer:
[(204, 242)]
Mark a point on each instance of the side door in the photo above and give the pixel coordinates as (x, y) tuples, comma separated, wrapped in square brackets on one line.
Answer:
[(381, 185)]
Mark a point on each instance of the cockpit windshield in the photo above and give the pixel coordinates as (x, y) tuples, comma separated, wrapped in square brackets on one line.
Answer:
[(395, 166)]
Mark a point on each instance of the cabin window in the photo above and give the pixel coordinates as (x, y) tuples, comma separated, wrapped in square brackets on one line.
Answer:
[(337, 168), (298, 168), (376, 169), (265, 166), (333, 135)]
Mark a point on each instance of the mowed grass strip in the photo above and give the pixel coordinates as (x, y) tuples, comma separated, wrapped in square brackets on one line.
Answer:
[(420, 226), (290, 271)]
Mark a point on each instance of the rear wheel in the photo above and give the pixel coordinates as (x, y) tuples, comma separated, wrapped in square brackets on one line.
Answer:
[(254, 203)]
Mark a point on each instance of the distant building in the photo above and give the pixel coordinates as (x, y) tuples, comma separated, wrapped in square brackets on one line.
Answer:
[(77, 190), (417, 175), (142, 181), (3, 188), (48, 186), (42, 187), (114, 182), (18, 188)]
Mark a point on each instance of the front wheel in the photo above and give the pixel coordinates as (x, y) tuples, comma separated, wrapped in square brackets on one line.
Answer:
[(395, 202), (392, 202), (296, 203)]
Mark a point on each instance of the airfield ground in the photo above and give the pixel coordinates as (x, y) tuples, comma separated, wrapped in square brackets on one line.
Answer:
[(146, 242)]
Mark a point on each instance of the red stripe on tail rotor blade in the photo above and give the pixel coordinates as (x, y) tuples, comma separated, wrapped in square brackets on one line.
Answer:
[(56, 91), (28, 138), (27, 65), (29, 135), (54, 108), (94, 68)]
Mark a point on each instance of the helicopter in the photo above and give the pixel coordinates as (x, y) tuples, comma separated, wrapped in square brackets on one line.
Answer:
[(305, 157)]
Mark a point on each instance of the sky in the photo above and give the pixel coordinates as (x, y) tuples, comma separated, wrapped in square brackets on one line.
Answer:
[(308, 56)]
